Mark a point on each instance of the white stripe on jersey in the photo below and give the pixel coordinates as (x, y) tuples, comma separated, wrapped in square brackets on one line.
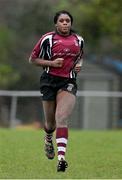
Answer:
[(80, 39), (48, 50), (71, 74), (47, 37), (47, 70)]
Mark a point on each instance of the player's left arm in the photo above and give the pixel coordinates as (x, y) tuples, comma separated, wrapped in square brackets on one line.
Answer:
[(79, 63)]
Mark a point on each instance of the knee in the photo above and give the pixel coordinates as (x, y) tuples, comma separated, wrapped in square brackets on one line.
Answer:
[(50, 124)]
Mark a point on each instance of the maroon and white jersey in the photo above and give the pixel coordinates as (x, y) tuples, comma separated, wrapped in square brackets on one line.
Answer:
[(53, 45)]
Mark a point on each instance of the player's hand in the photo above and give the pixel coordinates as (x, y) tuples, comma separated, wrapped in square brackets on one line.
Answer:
[(77, 68), (57, 62)]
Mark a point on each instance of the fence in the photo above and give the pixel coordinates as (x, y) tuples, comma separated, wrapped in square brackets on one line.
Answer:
[(93, 110)]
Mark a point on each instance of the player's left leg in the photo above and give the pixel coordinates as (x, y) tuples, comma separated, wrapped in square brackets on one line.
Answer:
[(65, 104)]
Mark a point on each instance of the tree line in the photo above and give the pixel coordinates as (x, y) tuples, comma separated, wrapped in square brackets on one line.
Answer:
[(23, 22)]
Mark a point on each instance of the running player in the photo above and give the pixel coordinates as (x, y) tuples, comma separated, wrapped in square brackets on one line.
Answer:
[(60, 54)]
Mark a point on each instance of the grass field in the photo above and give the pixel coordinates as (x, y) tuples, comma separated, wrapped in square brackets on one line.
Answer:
[(90, 154)]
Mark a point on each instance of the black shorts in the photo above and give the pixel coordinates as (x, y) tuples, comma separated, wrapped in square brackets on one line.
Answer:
[(50, 85)]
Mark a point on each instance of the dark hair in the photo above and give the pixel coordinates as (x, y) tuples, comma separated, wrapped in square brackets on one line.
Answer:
[(57, 14)]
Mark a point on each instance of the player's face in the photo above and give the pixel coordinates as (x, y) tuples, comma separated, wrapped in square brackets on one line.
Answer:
[(63, 24)]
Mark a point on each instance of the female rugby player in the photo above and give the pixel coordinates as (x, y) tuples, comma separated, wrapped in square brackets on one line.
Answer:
[(60, 54)]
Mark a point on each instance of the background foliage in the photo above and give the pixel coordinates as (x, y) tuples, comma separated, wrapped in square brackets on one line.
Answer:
[(23, 23)]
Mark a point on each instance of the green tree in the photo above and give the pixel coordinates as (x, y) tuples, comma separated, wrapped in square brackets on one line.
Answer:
[(8, 75), (28, 21), (99, 21)]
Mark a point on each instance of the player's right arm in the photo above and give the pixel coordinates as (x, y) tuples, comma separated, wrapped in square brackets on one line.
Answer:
[(38, 61), (46, 63)]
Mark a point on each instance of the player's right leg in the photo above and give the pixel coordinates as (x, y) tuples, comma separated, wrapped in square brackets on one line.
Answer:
[(48, 101), (50, 124)]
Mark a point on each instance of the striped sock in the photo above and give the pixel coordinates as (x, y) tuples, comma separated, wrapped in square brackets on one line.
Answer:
[(49, 134), (48, 137), (61, 140)]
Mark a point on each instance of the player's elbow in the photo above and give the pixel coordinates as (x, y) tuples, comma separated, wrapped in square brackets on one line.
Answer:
[(30, 60)]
